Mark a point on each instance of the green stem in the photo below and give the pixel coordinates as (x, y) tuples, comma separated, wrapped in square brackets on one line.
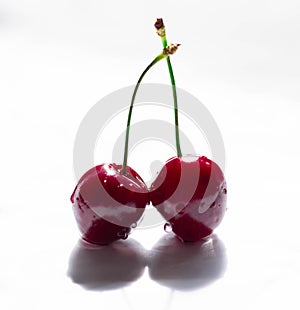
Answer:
[(156, 59), (179, 153)]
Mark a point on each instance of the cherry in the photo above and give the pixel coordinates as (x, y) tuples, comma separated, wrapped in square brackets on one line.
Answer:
[(190, 193), (109, 199), (107, 203)]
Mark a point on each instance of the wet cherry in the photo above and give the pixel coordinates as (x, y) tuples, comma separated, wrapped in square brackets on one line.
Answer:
[(107, 203), (110, 199), (190, 193)]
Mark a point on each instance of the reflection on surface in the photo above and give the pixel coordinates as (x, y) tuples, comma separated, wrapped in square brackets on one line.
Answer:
[(106, 267), (177, 265), (187, 266)]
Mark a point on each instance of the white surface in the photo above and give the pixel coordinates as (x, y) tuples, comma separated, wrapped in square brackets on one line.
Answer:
[(241, 59)]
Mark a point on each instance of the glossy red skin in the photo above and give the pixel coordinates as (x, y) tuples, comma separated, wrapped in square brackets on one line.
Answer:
[(107, 203), (190, 193)]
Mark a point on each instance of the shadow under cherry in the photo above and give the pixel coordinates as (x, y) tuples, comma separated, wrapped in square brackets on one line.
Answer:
[(106, 267), (187, 266), (171, 263)]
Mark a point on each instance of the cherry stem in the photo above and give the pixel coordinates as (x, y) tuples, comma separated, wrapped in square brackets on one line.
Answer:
[(156, 59), (165, 44)]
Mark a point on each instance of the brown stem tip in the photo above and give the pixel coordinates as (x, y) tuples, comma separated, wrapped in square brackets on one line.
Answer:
[(170, 49), (160, 27), (159, 23)]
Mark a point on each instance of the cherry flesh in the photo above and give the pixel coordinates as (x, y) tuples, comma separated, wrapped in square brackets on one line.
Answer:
[(108, 203), (190, 193)]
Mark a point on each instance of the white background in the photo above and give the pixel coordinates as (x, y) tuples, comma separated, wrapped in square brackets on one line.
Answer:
[(241, 59)]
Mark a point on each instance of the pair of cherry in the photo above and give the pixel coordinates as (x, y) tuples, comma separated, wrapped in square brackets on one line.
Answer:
[(189, 191)]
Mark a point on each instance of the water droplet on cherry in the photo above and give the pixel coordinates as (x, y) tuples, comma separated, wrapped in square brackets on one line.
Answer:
[(133, 225), (213, 205), (168, 228), (206, 161), (122, 234)]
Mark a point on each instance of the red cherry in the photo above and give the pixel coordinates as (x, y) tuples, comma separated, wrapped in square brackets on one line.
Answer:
[(107, 203), (190, 193)]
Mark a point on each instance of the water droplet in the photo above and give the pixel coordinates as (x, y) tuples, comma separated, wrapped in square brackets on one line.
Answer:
[(125, 236), (133, 225), (213, 204), (122, 234), (225, 191), (206, 161), (167, 227)]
